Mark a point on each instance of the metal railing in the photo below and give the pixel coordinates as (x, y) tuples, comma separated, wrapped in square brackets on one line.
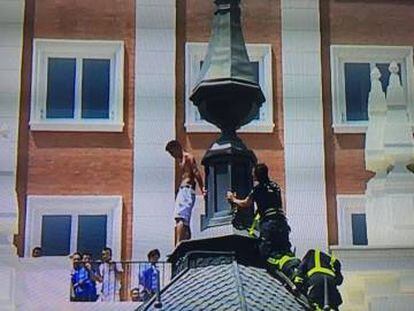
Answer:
[(115, 281)]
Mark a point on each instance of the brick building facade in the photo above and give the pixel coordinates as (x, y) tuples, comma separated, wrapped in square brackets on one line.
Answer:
[(103, 165)]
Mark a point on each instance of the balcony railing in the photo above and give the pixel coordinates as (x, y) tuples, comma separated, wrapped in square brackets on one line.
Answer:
[(115, 281)]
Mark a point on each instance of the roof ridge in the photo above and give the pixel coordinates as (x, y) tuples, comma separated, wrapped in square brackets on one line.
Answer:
[(239, 286)]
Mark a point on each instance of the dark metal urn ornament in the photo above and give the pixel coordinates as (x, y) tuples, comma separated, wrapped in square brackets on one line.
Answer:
[(227, 95)]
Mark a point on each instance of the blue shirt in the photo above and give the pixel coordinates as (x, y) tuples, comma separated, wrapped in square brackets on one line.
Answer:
[(148, 278), (84, 288)]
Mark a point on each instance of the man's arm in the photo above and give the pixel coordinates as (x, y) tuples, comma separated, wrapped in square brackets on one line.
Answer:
[(339, 278), (100, 274), (93, 275), (243, 203), (118, 270), (279, 199), (197, 176)]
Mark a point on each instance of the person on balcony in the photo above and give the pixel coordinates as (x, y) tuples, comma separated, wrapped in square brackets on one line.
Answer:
[(92, 275), (149, 276), (315, 269), (82, 287), (185, 199), (37, 252), (273, 227), (134, 294), (111, 273)]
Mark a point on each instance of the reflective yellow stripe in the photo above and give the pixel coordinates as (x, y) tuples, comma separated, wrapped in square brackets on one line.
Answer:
[(318, 268), (270, 212), (332, 263), (284, 260), (273, 261), (316, 306), (297, 280), (280, 262), (254, 224)]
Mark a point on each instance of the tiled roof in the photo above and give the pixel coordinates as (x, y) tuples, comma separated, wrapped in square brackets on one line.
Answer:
[(225, 285), (263, 292)]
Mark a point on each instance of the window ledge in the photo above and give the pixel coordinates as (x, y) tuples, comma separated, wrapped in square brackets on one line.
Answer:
[(62, 126), (353, 128), (250, 128), (350, 128), (207, 222)]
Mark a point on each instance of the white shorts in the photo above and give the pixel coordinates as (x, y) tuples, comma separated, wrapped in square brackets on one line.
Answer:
[(184, 203)]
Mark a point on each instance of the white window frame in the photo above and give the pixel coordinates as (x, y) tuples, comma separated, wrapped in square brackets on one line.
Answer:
[(341, 54), (70, 205), (262, 53), (79, 49), (348, 204)]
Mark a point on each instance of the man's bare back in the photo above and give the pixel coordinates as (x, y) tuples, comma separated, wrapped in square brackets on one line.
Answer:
[(185, 199), (189, 170)]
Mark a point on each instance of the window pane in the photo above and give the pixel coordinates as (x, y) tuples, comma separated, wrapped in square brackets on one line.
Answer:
[(60, 101), (95, 88), (359, 229), (56, 235), (222, 182), (385, 74), (92, 234), (240, 182), (357, 87)]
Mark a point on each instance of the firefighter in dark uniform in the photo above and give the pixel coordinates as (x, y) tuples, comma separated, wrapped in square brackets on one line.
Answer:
[(316, 267), (287, 263), (273, 226)]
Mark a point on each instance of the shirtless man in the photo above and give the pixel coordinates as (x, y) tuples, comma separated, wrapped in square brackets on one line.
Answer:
[(185, 199)]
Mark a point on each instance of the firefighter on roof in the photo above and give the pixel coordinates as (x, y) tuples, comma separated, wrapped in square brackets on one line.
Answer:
[(318, 275), (273, 226)]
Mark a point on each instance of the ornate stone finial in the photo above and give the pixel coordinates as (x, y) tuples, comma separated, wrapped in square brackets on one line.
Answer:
[(393, 68), (377, 108), (227, 93), (395, 92), (398, 136), (376, 98), (375, 74)]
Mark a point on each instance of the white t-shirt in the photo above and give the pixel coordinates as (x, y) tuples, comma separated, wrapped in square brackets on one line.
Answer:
[(110, 285)]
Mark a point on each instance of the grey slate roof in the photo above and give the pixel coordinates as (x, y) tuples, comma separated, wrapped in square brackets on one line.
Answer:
[(225, 286)]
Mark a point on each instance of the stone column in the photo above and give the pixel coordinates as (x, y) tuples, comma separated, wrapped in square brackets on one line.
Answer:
[(8, 252), (305, 186), (154, 126), (11, 34)]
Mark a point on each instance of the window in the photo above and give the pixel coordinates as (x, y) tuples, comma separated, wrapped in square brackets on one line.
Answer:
[(352, 225), (359, 229), (92, 233), (77, 86), (351, 67), (260, 56), (62, 225), (56, 235)]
